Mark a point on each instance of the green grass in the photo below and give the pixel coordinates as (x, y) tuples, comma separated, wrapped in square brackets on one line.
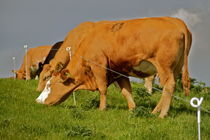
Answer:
[(21, 118)]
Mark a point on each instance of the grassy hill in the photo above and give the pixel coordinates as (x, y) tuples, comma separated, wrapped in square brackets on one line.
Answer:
[(21, 118)]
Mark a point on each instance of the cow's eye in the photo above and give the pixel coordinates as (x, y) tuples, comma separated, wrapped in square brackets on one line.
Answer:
[(47, 78)]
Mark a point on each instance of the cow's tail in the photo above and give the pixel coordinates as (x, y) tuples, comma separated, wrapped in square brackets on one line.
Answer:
[(185, 73)]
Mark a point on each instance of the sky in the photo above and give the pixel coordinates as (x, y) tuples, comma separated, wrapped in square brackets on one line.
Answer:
[(44, 22)]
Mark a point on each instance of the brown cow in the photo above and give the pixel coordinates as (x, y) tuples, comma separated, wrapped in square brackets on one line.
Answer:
[(139, 47), (31, 61)]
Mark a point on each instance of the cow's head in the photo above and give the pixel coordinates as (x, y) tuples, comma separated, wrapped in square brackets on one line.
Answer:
[(19, 74), (45, 75), (58, 88)]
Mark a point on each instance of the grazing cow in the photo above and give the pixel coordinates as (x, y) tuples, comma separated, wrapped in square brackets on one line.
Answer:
[(49, 57), (139, 47), (31, 61)]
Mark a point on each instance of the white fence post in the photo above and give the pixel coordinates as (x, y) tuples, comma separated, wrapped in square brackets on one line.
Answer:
[(68, 49), (198, 106), (14, 74), (26, 49)]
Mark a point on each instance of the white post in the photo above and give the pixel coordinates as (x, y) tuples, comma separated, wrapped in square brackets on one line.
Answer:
[(14, 75), (198, 106), (68, 49), (26, 49)]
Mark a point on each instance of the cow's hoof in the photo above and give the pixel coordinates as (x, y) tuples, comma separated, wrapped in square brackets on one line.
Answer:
[(102, 108), (132, 108), (155, 111), (162, 116)]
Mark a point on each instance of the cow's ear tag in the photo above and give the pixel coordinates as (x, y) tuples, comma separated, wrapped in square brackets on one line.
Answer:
[(59, 67)]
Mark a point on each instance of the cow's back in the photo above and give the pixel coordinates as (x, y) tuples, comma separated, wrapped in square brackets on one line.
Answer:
[(38, 54), (126, 43), (133, 38)]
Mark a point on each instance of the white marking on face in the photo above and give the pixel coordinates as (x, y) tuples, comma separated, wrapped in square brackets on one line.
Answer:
[(43, 96)]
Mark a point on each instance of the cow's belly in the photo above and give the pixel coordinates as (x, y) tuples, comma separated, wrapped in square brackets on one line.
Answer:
[(143, 69)]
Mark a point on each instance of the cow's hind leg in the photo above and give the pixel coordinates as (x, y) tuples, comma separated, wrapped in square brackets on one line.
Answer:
[(166, 61), (164, 103), (125, 86)]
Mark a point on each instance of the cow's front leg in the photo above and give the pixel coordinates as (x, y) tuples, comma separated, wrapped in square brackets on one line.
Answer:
[(101, 81), (28, 73), (102, 87), (102, 105), (125, 86)]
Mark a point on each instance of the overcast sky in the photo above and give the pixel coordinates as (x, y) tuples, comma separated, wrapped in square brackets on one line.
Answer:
[(44, 22)]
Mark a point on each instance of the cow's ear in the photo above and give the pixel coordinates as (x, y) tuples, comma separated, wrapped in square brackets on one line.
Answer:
[(65, 75), (59, 66), (40, 64)]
